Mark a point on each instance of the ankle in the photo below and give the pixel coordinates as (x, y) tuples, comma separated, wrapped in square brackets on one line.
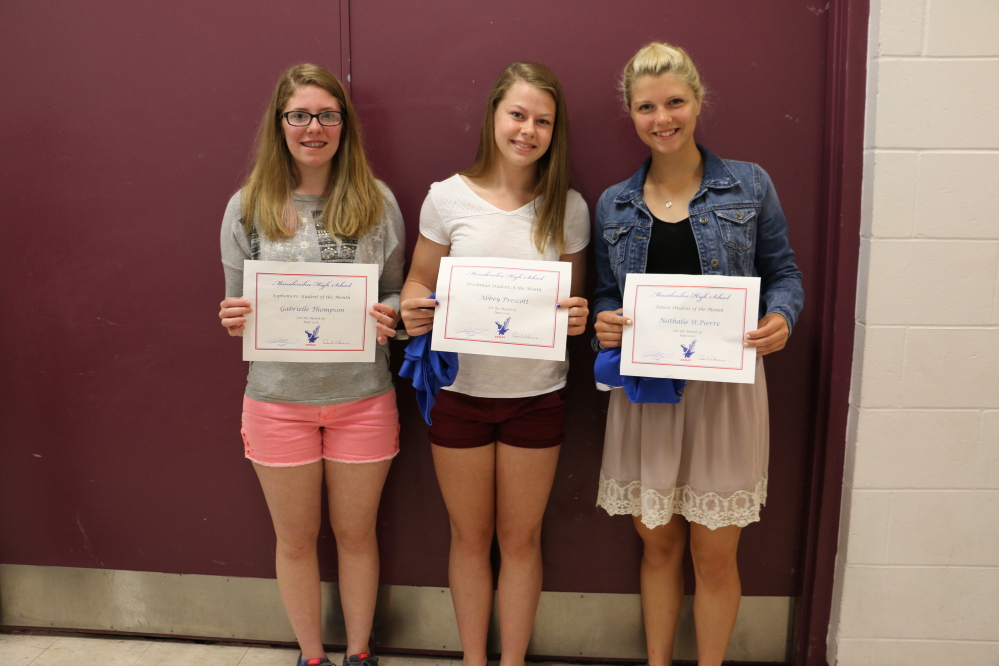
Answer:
[(474, 661)]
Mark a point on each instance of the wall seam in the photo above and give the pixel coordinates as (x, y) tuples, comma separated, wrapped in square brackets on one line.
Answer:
[(925, 46)]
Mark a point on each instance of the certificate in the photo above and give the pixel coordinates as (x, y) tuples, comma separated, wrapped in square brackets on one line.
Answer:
[(309, 311), (690, 327), (502, 307)]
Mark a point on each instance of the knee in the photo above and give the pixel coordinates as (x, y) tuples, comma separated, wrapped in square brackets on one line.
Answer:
[(660, 550), (473, 537), (519, 542), (355, 538), (297, 545), (712, 564)]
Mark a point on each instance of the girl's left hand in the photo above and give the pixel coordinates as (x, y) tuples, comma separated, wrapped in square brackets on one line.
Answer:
[(385, 320), (579, 312), (771, 335)]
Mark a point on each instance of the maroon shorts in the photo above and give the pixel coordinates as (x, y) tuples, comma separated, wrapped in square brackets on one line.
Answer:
[(463, 421)]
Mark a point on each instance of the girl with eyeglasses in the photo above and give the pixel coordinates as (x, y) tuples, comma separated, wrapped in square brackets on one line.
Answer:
[(694, 471), (312, 197), (496, 432)]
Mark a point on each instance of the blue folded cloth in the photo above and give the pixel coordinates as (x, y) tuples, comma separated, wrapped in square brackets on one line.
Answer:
[(429, 370), (607, 371)]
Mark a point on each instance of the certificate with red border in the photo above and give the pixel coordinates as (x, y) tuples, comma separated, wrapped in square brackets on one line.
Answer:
[(502, 307), (690, 327), (309, 312)]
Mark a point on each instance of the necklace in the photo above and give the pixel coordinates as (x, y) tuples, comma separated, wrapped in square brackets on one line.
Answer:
[(669, 204), (301, 216)]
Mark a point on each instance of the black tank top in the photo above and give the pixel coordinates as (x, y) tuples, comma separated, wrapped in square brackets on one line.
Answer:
[(672, 248)]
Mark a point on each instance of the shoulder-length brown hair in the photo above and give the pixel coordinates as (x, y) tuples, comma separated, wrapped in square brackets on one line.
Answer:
[(553, 166), (352, 203)]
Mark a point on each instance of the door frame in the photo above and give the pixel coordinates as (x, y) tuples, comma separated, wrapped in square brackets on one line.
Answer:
[(846, 92)]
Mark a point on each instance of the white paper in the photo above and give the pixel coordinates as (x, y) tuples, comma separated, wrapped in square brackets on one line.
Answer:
[(690, 327), (502, 307), (309, 312)]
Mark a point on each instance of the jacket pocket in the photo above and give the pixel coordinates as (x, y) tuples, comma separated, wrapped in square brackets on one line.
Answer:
[(616, 237), (738, 227)]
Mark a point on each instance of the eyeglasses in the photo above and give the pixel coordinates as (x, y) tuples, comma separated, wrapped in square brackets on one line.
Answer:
[(304, 118)]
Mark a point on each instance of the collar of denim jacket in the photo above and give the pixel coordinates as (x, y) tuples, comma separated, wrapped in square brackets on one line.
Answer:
[(717, 176)]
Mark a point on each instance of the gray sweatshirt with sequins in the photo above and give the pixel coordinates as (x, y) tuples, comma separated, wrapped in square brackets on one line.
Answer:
[(319, 383)]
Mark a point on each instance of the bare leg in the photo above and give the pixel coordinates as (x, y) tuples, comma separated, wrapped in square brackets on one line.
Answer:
[(662, 585), (354, 490), (467, 478), (293, 497), (523, 483), (718, 590)]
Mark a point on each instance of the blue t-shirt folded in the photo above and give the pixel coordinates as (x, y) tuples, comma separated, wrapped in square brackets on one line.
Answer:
[(429, 370), (607, 371)]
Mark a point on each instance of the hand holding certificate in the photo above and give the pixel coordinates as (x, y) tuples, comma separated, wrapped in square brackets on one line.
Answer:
[(309, 312), (502, 307), (690, 327)]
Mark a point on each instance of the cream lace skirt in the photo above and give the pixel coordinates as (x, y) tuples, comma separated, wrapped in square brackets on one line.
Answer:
[(704, 458)]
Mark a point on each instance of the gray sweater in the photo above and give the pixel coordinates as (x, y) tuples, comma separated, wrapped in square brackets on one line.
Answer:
[(319, 383)]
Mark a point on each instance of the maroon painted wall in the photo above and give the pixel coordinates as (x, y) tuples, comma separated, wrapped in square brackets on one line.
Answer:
[(126, 126)]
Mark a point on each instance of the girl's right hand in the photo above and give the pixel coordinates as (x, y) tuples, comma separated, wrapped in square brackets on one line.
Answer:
[(418, 315), (232, 312), (610, 327)]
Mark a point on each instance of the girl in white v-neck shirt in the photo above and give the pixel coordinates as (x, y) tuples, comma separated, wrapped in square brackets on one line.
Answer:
[(454, 215), (497, 431)]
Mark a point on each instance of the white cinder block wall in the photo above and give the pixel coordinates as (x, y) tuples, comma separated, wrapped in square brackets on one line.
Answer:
[(917, 576)]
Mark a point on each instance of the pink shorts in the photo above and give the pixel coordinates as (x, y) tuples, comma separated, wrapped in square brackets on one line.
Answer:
[(280, 434)]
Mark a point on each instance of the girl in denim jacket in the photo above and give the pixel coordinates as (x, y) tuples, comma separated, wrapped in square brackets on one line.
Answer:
[(697, 469)]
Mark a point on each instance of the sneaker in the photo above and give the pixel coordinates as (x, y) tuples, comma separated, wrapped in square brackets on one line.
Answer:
[(315, 661), (363, 659)]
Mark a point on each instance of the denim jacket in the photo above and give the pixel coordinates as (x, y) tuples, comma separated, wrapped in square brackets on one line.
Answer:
[(738, 226)]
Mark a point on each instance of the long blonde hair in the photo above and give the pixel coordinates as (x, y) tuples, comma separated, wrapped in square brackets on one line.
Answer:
[(352, 203), (661, 58), (553, 166)]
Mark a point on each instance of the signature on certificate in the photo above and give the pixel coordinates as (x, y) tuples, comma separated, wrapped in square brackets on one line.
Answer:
[(469, 332), (657, 356), (281, 342)]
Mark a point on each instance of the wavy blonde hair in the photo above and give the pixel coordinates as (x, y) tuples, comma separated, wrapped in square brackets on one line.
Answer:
[(553, 167), (352, 203), (661, 58)]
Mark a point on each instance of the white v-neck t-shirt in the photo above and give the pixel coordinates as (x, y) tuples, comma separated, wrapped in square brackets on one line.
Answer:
[(453, 214)]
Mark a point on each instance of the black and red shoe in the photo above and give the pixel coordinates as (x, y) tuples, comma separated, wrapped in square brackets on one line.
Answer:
[(362, 659)]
